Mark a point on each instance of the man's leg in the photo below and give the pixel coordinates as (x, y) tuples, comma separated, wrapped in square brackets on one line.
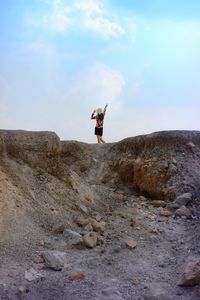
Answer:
[(102, 140), (98, 139)]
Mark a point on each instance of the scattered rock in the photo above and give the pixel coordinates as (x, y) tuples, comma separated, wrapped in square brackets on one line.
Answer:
[(73, 238), (142, 199), (37, 259), (41, 243), (90, 239), (181, 200), (59, 229), (190, 145), (82, 221), (88, 228), (98, 226), (183, 212), (32, 275), (134, 222), (165, 213), (130, 243), (159, 203), (55, 260), (77, 276), (191, 273)]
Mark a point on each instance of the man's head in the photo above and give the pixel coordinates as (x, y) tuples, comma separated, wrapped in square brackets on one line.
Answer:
[(99, 110)]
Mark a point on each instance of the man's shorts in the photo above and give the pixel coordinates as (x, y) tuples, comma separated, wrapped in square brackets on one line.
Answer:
[(98, 131)]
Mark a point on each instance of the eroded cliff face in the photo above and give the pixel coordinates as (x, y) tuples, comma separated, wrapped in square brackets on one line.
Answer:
[(46, 185), (161, 165)]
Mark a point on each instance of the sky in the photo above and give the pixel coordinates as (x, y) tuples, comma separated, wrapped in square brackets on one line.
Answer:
[(61, 59)]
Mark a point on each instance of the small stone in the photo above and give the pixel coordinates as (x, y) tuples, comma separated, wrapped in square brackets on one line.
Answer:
[(90, 239), (88, 228), (191, 274), (159, 203), (190, 145), (136, 205), (32, 275), (82, 221), (181, 200), (41, 243), (98, 218), (73, 238), (142, 199), (22, 289), (134, 222), (98, 226), (83, 208), (59, 229), (165, 213), (183, 212), (37, 259), (55, 259), (130, 243), (77, 276)]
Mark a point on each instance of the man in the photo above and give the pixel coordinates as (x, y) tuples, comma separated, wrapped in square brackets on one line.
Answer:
[(99, 117)]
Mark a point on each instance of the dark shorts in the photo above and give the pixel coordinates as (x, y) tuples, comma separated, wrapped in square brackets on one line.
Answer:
[(98, 131)]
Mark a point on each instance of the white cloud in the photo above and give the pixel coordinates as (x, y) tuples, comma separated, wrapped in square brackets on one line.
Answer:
[(96, 19), (57, 18), (60, 16), (99, 84)]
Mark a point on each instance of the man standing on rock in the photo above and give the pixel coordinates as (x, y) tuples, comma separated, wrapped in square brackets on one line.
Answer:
[(99, 117)]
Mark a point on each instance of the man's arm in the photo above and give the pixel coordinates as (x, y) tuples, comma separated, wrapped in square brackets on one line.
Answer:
[(105, 109), (92, 115)]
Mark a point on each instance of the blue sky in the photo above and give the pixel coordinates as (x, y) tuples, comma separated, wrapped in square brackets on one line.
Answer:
[(60, 59)]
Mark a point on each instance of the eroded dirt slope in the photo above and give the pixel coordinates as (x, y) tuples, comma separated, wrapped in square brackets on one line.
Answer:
[(48, 187)]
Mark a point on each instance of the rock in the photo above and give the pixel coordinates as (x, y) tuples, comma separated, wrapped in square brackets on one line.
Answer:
[(134, 222), (77, 276), (73, 238), (190, 145), (191, 273), (88, 228), (90, 239), (165, 213), (142, 199), (159, 203), (83, 208), (98, 218), (37, 259), (59, 229), (181, 200), (41, 243), (130, 243), (98, 226), (32, 275), (183, 212), (21, 289), (82, 221), (55, 260)]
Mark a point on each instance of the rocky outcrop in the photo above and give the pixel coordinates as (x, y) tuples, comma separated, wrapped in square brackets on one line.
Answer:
[(161, 165)]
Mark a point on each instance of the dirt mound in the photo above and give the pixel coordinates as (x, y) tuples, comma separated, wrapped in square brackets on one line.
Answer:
[(99, 205)]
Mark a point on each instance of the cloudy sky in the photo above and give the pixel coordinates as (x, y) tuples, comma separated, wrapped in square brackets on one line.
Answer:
[(61, 59)]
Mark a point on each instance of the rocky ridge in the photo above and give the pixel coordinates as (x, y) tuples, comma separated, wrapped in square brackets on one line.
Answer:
[(113, 221)]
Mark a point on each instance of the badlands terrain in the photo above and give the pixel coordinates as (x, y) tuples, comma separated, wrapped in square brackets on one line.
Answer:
[(100, 222)]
